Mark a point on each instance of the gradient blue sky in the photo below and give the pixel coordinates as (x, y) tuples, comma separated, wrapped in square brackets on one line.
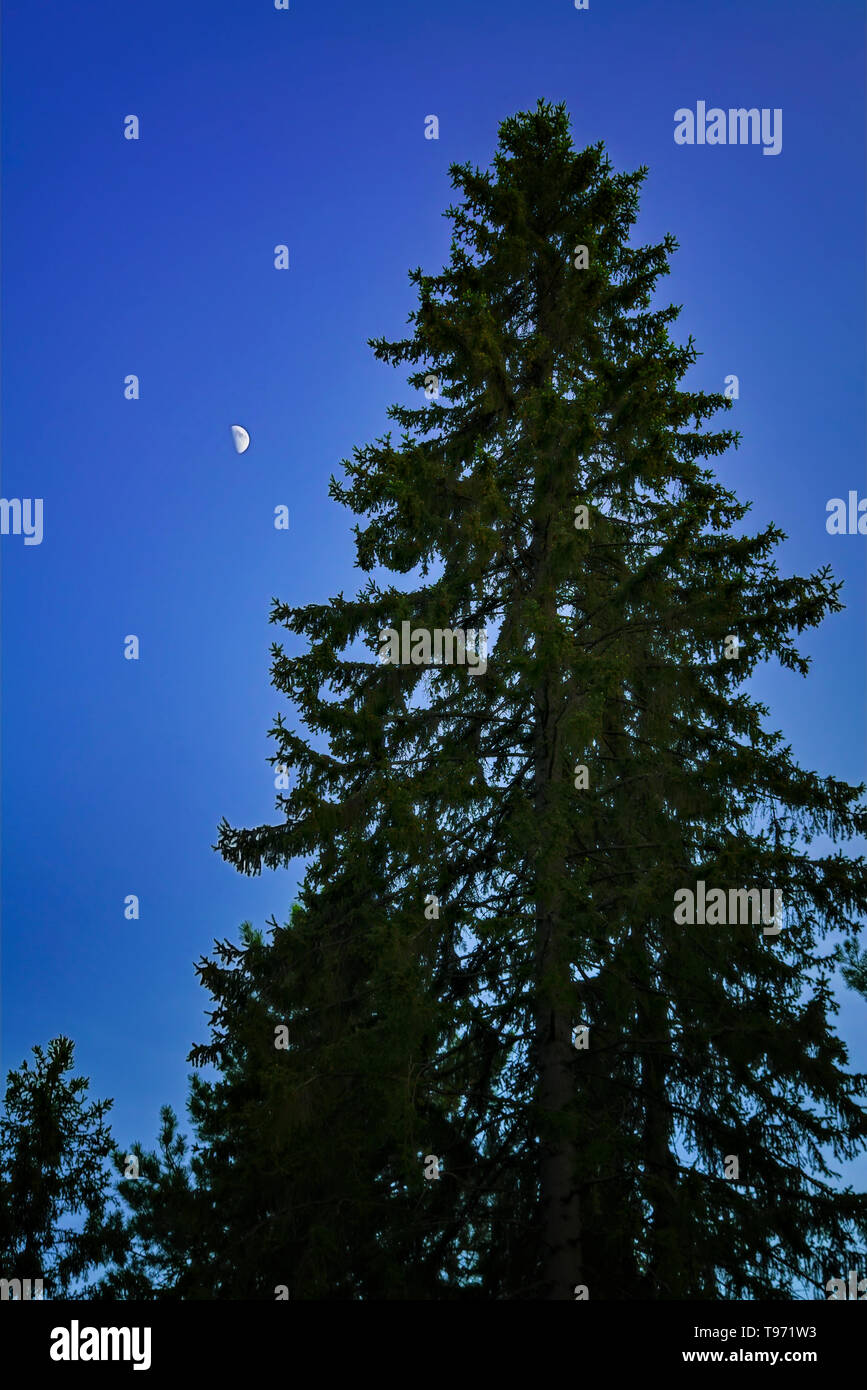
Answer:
[(156, 257)]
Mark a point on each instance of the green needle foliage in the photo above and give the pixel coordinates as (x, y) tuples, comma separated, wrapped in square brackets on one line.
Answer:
[(418, 1028), (59, 1221)]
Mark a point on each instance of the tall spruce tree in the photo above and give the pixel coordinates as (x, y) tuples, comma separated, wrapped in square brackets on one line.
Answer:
[(493, 854)]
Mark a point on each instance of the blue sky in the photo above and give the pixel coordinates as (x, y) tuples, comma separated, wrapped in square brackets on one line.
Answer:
[(155, 257)]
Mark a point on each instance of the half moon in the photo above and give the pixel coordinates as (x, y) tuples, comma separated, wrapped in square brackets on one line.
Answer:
[(240, 438)]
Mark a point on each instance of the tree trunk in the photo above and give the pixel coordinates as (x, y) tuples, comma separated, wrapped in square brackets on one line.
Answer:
[(555, 1056)]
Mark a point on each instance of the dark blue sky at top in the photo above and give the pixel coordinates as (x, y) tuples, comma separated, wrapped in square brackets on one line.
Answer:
[(307, 127)]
